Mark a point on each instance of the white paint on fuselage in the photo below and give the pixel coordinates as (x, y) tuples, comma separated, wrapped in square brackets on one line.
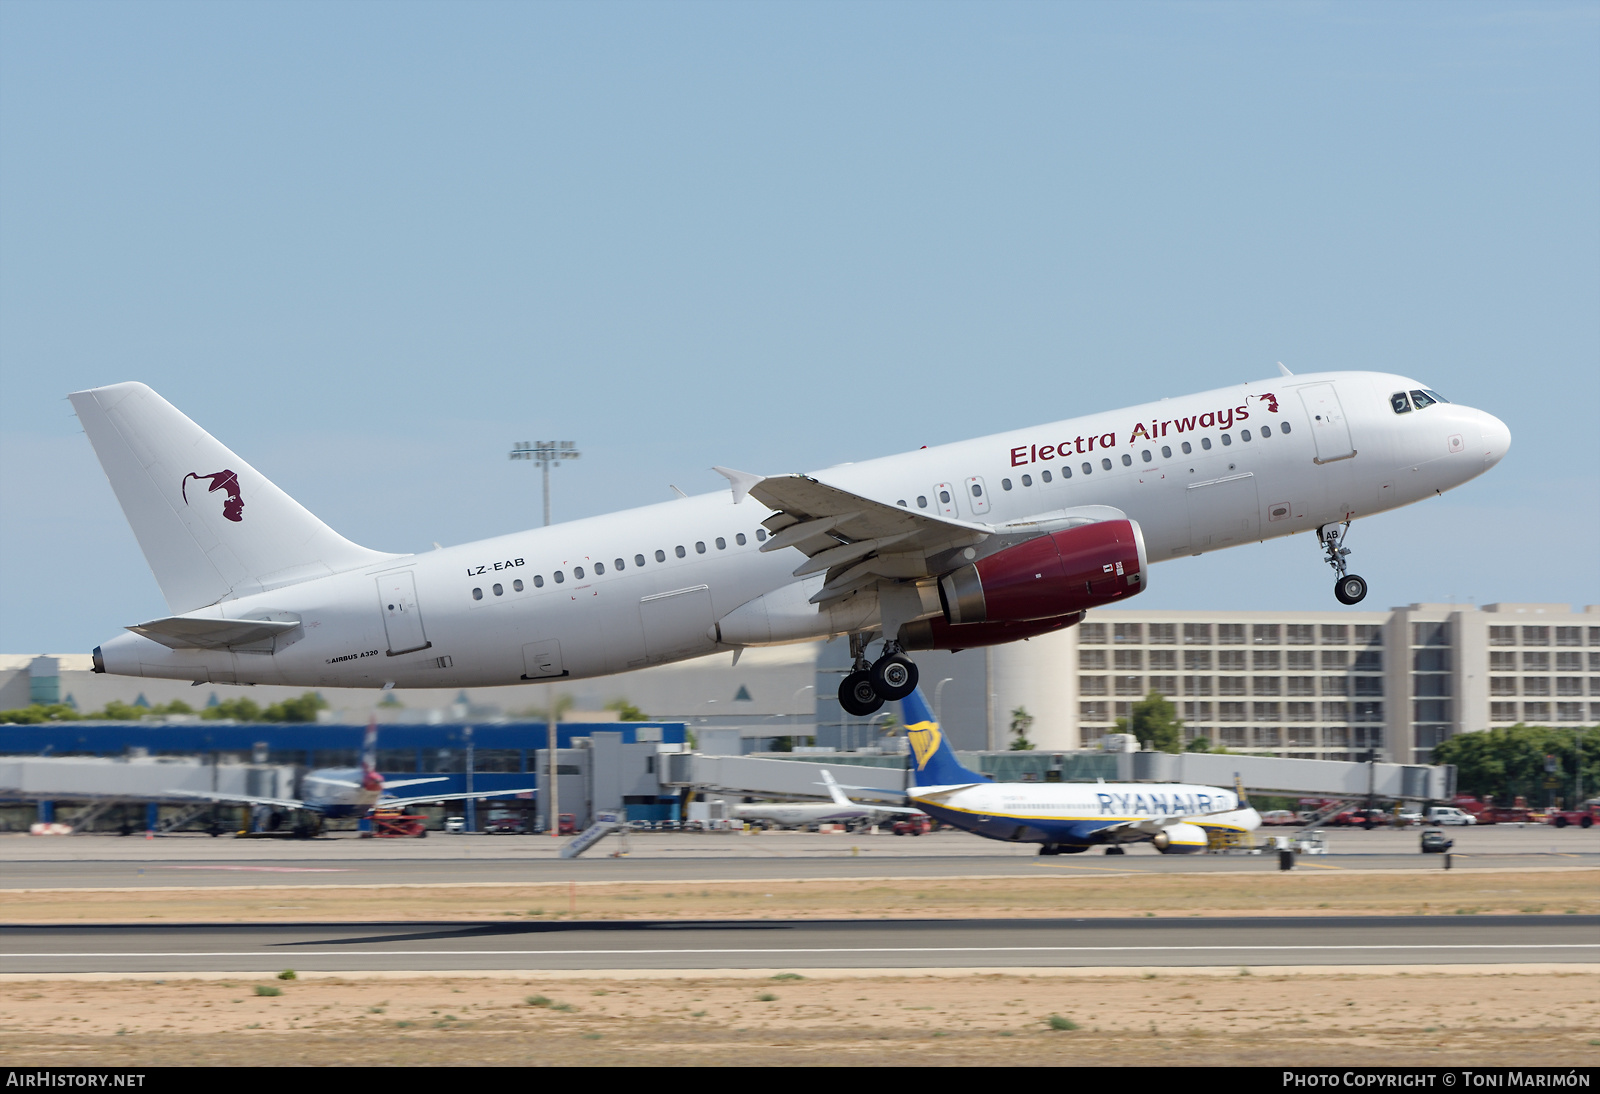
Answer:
[(796, 814), (597, 619)]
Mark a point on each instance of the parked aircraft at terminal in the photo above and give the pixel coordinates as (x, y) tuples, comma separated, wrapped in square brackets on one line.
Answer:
[(839, 810), (348, 791), (1064, 818), (973, 543)]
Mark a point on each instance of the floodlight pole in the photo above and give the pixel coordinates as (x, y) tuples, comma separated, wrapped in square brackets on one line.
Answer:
[(545, 454)]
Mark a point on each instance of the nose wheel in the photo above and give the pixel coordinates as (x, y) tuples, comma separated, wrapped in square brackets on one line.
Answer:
[(868, 686), (1347, 587)]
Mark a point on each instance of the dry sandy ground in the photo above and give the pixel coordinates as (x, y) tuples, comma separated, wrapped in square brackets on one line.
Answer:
[(1076, 891), (1526, 1016)]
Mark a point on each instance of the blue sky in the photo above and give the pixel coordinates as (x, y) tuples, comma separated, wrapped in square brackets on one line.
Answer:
[(370, 246)]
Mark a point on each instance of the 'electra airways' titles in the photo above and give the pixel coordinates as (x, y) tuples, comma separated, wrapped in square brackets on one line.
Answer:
[(973, 543)]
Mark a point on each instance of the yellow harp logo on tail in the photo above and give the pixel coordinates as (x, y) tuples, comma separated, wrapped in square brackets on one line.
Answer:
[(925, 738)]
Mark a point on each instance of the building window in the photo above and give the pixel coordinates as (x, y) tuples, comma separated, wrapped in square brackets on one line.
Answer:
[(1569, 662), (1197, 660), (1265, 660), (1199, 685), (1369, 661), (1430, 634), (1091, 685), (1569, 685), (1129, 633), (1197, 712), (1092, 712), (1230, 660), (1130, 685), (1197, 634), (1230, 685), (1430, 661), (1535, 636), (1368, 712), (1230, 712), (1267, 712), (1301, 660), (1368, 634), (1535, 712), (1502, 685), (1301, 712), (1335, 634), (1335, 712), (1265, 685), (1429, 685), (1502, 636), (1093, 660), (1336, 736), (1536, 685), (1130, 660), (1264, 634), (1430, 710), (1569, 712), (1091, 634), (1302, 685), (1163, 634), (1368, 685), (1536, 662), (1300, 634), (1336, 685), (1233, 738), (1267, 735), (1230, 634), (1164, 685), (1335, 659)]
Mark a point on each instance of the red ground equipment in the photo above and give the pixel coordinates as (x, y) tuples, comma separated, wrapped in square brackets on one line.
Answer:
[(392, 824)]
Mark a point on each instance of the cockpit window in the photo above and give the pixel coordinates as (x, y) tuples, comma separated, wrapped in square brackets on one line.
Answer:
[(1401, 404), (1422, 399), (1435, 395)]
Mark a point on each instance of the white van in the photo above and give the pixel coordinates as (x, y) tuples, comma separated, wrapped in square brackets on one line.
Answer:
[(1449, 814)]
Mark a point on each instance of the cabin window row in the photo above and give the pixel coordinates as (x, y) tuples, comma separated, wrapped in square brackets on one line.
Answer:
[(1145, 456), (619, 564)]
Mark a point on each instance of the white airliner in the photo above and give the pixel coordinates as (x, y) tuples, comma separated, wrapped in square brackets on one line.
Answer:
[(1065, 818), (967, 544), (348, 791), (840, 810)]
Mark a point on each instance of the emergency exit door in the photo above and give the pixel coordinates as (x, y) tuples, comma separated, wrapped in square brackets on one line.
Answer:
[(402, 618)]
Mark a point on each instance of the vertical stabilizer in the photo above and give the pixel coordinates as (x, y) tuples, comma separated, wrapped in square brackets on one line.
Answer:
[(211, 526), (933, 763)]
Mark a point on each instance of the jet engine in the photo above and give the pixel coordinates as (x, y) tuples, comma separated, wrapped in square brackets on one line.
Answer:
[(937, 634), (1050, 576), (1180, 839)]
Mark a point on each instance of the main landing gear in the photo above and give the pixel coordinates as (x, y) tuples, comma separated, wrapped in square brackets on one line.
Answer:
[(1347, 588), (867, 687)]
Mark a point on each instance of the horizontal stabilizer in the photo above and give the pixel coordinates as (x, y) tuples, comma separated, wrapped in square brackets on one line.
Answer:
[(183, 632)]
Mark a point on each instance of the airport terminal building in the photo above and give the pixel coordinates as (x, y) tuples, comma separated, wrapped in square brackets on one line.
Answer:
[(1318, 685)]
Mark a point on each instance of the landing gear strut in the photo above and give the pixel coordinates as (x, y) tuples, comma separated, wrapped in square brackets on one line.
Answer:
[(1347, 588), (867, 687), (857, 695)]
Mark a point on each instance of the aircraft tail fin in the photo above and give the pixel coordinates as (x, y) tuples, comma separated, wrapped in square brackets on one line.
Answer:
[(370, 779), (211, 526), (933, 762), (834, 791)]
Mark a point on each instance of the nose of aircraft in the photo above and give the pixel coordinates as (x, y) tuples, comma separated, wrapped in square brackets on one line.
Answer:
[(1496, 439)]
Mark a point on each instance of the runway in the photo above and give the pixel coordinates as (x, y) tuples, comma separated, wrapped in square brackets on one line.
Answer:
[(799, 944), (197, 861)]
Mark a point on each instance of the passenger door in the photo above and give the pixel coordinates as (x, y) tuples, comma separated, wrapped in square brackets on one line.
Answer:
[(402, 617), (1328, 424)]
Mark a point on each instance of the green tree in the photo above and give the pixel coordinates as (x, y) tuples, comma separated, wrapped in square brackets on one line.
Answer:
[(626, 711), (1510, 762), (1155, 722), (240, 710), (1021, 723), (303, 709), (38, 713), (1200, 744)]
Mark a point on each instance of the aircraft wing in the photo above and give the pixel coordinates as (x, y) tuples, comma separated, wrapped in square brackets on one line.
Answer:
[(239, 799), (856, 541), (400, 803), (187, 632), (388, 785)]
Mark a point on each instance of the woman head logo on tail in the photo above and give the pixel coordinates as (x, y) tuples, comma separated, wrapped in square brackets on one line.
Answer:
[(233, 505)]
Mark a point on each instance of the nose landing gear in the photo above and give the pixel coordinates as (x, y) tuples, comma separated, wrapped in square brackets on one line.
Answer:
[(868, 686), (1347, 588)]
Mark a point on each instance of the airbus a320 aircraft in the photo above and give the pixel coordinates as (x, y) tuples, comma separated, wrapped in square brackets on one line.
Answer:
[(349, 791), (968, 544)]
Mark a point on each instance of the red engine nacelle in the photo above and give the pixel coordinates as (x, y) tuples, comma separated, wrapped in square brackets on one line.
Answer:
[(938, 634), (1051, 576)]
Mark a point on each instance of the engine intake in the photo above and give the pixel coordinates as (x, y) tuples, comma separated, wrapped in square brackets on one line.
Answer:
[(1050, 576)]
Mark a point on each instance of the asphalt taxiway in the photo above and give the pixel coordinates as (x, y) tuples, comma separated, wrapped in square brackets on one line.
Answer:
[(799, 944)]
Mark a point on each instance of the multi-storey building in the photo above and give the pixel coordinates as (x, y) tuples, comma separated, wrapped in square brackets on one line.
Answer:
[(1315, 685)]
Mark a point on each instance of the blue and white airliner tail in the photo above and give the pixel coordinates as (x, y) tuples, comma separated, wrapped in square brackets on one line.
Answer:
[(1064, 818)]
